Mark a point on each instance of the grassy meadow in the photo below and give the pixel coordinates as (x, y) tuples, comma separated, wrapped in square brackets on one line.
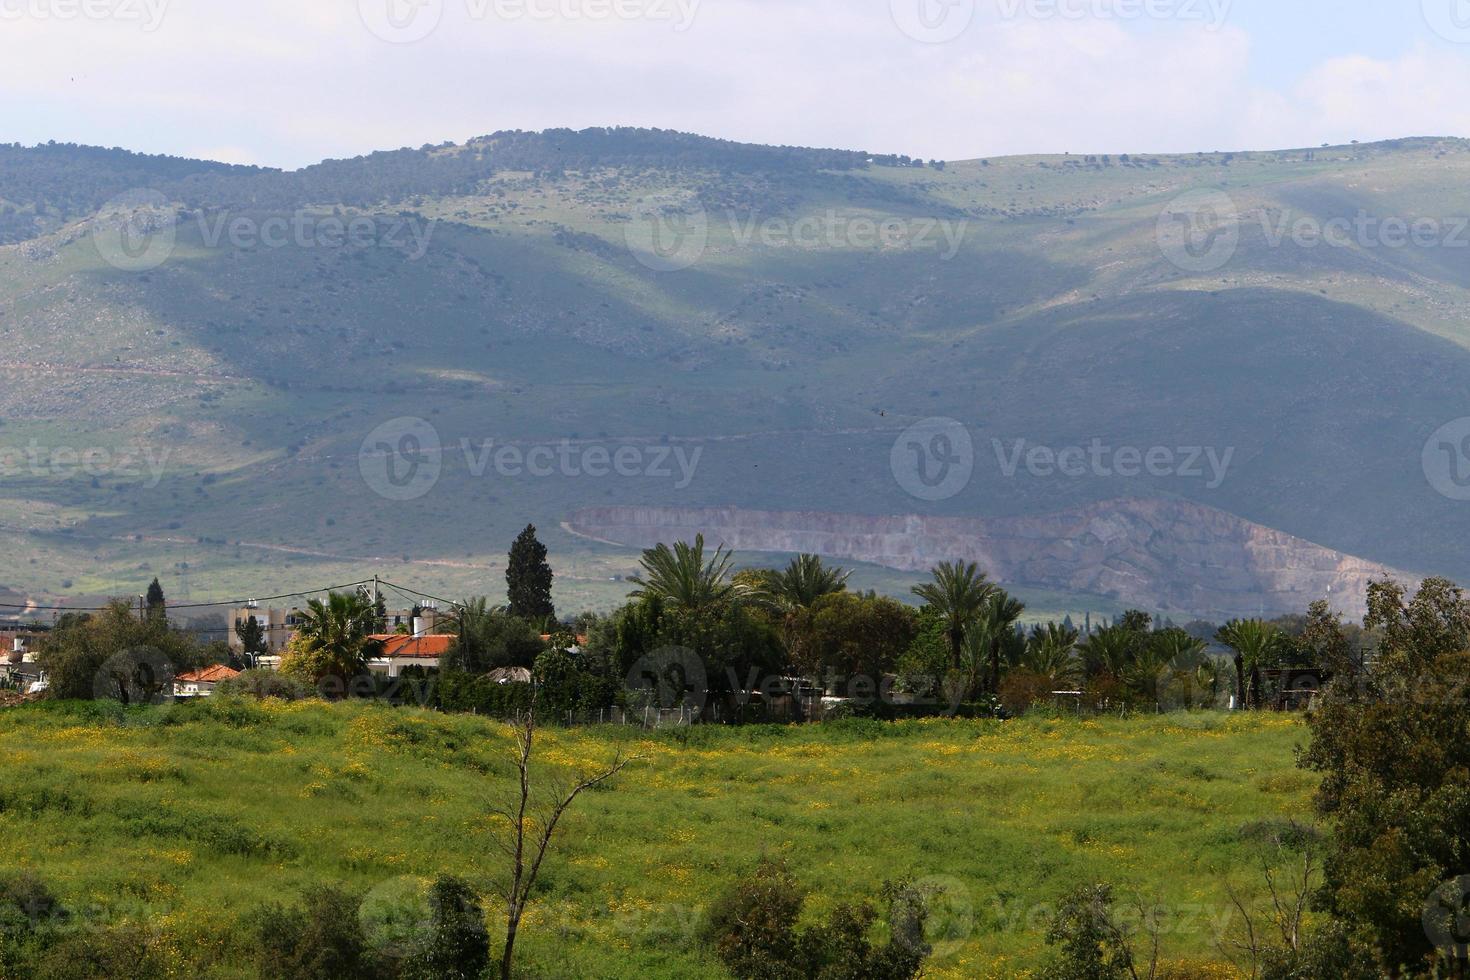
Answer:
[(182, 818)]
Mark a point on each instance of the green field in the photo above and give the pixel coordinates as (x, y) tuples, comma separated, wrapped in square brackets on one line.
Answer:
[(182, 818)]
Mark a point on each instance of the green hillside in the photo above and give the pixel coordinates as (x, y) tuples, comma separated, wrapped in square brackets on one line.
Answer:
[(502, 290)]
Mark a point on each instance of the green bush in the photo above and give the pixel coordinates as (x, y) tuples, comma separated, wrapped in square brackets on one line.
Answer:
[(121, 952), (262, 684), (322, 939), (460, 692), (456, 945), (752, 928), (27, 905), (1090, 943)]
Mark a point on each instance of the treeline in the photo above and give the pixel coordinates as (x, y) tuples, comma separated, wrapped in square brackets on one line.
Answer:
[(45, 185)]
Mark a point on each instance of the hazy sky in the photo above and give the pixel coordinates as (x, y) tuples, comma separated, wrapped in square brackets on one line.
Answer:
[(288, 82)]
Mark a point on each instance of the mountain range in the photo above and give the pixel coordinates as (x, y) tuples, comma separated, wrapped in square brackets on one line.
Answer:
[(1203, 384)]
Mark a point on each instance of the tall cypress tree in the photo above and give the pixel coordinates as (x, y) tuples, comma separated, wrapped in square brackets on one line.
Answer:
[(528, 578), (156, 606)]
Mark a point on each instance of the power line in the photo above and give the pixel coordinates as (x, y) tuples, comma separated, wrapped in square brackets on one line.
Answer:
[(411, 593), (189, 605)]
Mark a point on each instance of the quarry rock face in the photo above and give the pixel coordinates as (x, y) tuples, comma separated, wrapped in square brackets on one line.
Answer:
[(1157, 554)]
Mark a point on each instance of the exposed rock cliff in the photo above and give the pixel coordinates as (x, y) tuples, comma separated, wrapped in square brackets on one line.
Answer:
[(1159, 554)]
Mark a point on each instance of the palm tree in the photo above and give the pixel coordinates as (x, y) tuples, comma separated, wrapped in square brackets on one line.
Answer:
[(1178, 647), (1049, 652), (1256, 644), (340, 629), (1109, 650), (803, 581), (793, 591), (999, 617), (681, 577), (1150, 663), (1209, 677), (958, 594)]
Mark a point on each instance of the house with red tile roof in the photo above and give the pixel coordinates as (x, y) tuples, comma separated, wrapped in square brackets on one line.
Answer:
[(201, 683), (402, 650)]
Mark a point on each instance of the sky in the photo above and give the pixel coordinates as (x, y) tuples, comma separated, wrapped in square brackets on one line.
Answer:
[(286, 83)]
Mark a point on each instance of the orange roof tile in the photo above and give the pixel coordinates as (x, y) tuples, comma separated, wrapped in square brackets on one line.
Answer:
[(405, 645), (209, 675)]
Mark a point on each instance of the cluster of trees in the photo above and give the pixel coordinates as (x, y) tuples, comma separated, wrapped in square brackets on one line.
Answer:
[(56, 182), (748, 630), (124, 653), (1380, 889)]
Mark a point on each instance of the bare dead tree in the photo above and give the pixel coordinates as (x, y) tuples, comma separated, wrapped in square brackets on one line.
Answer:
[(1149, 915), (1279, 924), (532, 825)]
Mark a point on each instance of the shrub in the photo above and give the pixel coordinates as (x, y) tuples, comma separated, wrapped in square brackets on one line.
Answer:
[(842, 949), (752, 928), (122, 952), (1021, 688), (456, 945), (1091, 945), (322, 939), (467, 693), (262, 684), (26, 905)]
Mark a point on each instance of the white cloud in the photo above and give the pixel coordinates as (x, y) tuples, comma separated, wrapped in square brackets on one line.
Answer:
[(287, 82)]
